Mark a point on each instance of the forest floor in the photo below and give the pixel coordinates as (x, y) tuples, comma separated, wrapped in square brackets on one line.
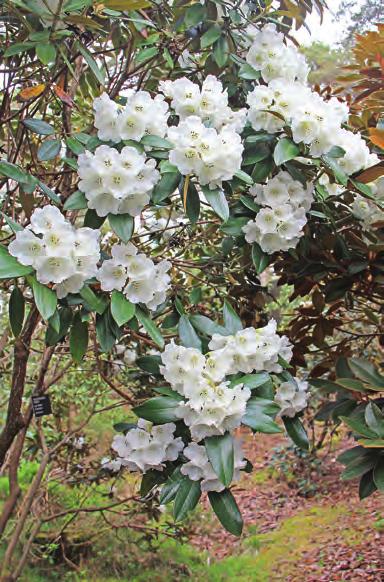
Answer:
[(302, 523)]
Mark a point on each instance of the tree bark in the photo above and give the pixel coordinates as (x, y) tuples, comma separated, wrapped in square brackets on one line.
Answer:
[(15, 420)]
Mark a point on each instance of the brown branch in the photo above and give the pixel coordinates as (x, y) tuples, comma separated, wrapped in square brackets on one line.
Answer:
[(15, 420)]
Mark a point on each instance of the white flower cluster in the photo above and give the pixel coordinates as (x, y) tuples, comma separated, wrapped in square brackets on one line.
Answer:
[(210, 406), (210, 103), (287, 100), (116, 183), (141, 116), (278, 225), (136, 275), (250, 350), (292, 397), (272, 57), (146, 447), (367, 211), (199, 467), (59, 252), (211, 155)]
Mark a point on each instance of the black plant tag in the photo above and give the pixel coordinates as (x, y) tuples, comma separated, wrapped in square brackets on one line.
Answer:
[(41, 406)]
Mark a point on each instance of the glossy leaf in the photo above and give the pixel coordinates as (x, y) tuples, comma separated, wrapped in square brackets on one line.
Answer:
[(45, 298), (78, 338), (187, 334), (284, 151), (10, 267), (159, 410), (225, 507), (16, 311), (122, 310), (150, 327), (122, 225), (48, 150), (296, 431), (187, 497), (220, 451), (39, 126), (232, 321)]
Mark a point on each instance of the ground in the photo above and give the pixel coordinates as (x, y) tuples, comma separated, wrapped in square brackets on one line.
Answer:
[(319, 531)]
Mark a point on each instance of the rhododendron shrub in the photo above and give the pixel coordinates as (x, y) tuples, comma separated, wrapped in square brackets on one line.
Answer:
[(194, 184)]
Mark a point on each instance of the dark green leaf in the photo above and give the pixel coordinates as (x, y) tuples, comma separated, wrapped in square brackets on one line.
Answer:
[(375, 419), (46, 53), (234, 226), (171, 487), (166, 186), (244, 177), (206, 325), (78, 338), (156, 142), (358, 426), (45, 298), (12, 171), (232, 321), (367, 485), (99, 76), (76, 201), (220, 51), (339, 174), (259, 415), (358, 467), (210, 36), (16, 311), (378, 473), (150, 364), (227, 511), (93, 301), (284, 151), (39, 126), (296, 431), (187, 334), (187, 497), (49, 193), (249, 73), (107, 331), (122, 225), (259, 258), (122, 310), (159, 410), (75, 146), (220, 451), (192, 203), (48, 150), (150, 327), (92, 219), (365, 371), (217, 200), (18, 48)]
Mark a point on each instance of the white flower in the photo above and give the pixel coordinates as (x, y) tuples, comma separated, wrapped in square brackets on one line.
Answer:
[(112, 275), (278, 225), (210, 155), (210, 103), (147, 447), (116, 183), (27, 247), (292, 397), (46, 219), (136, 275), (142, 115)]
